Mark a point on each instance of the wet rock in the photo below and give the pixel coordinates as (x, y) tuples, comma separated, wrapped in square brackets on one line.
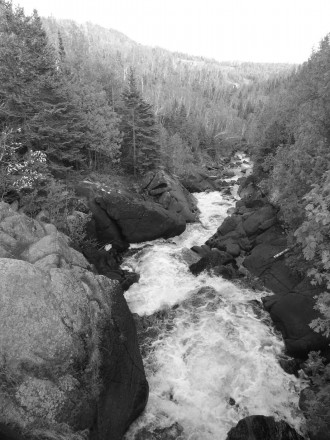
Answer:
[(189, 256), (211, 260), (202, 251), (290, 365), (292, 313), (262, 428), (173, 432), (128, 279), (107, 263), (228, 272)]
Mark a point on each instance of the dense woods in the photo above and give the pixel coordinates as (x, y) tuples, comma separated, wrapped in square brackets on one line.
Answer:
[(291, 150), (82, 99)]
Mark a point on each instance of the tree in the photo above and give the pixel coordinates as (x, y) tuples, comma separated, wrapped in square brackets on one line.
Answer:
[(35, 102), (101, 136), (140, 147)]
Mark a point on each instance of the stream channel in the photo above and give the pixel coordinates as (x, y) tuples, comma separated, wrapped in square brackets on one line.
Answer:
[(215, 358)]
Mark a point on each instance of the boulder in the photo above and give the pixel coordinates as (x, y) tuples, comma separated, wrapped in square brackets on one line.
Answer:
[(69, 357), (189, 256), (213, 259), (121, 217), (292, 313), (274, 273), (248, 191), (202, 251), (262, 428), (228, 272), (198, 182), (171, 194), (260, 220)]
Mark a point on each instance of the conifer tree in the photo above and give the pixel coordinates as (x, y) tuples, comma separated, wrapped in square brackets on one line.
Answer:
[(35, 103), (140, 147)]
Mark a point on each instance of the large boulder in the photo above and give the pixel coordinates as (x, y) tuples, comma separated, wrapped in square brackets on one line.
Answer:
[(273, 272), (69, 358), (171, 194), (199, 182), (292, 313), (122, 217), (262, 428), (211, 260)]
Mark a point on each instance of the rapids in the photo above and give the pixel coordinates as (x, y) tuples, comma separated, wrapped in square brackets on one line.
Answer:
[(215, 360)]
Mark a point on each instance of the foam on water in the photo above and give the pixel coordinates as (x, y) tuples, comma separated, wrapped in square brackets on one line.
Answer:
[(217, 359)]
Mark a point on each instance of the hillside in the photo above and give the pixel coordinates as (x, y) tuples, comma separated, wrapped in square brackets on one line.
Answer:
[(217, 97)]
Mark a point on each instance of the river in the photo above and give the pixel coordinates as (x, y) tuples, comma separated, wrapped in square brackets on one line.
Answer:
[(216, 359)]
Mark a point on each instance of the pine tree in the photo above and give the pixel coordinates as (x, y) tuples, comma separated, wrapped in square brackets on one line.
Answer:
[(140, 148), (35, 103)]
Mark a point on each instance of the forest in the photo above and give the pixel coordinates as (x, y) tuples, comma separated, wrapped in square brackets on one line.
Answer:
[(81, 100)]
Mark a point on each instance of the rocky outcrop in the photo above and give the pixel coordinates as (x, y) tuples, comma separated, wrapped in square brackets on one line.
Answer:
[(107, 263), (253, 234), (262, 428), (69, 358), (213, 259), (292, 313), (200, 182), (121, 217), (168, 192)]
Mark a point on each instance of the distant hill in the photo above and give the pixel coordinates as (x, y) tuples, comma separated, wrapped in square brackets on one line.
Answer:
[(218, 97)]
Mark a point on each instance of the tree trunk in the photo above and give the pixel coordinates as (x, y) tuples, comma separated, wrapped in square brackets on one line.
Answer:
[(134, 144)]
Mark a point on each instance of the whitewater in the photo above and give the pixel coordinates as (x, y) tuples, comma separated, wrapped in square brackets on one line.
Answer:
[(215, 358)]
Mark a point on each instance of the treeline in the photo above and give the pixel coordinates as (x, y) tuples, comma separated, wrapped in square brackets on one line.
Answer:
[(197, 104), (92, 99), (291, 135)]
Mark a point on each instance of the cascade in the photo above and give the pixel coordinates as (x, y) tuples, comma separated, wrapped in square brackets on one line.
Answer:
[(214, 359)]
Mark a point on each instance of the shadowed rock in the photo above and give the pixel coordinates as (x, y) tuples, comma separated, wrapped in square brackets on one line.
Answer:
[(262, 428)]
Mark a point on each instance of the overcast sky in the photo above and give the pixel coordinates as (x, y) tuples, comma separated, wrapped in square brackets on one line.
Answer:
[(243, 30)]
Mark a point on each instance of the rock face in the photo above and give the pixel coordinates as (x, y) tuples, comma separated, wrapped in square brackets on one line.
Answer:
[(121, 217), (68, 352), (253, 233), (262, 428), (292, 313), (169, 192)]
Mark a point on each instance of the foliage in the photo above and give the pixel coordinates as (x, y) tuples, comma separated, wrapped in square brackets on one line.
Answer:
[(292, 157), (210, 105), (101, 134), (45, 104), (140, 137), (316, 401)]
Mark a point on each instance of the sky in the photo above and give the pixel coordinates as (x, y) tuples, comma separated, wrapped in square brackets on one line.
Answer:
[(242, 30)]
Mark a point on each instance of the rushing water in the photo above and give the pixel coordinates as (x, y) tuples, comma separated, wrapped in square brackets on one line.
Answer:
[(216, 359)]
